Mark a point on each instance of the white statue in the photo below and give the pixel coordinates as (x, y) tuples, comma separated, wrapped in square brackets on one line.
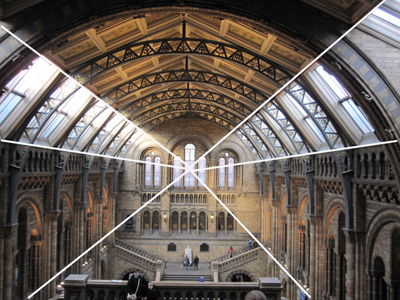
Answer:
[(188, 253)]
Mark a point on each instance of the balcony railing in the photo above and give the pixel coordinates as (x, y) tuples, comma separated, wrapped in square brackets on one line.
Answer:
[(78, 287)]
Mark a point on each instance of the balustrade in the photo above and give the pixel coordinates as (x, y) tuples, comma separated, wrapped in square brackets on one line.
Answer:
[(78, 287)]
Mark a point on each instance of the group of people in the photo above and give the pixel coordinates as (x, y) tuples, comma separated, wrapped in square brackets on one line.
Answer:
[(251, 245), (196, 260), (139, 288)]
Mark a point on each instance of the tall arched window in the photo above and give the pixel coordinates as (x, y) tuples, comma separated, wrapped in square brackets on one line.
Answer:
[(202, 174), (157, 171), (147, 172), (152, 174), (231, 172), (190, 150), (222, 172), (177, 171)]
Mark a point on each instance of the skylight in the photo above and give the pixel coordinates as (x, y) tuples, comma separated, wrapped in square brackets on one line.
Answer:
[(387, 17)]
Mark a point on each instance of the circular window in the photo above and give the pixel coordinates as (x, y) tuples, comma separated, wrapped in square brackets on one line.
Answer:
[(226, 154), (152, 152)]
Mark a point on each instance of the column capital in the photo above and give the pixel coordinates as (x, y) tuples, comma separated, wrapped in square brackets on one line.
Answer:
[(275, 202), (291, 209), (315, 219), (52, 215), (8, 230), (350, 235)]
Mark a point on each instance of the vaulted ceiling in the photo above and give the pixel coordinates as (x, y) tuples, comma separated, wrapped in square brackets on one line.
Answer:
[(156, 63)]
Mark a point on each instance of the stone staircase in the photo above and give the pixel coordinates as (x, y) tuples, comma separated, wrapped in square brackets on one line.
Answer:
[(137, 251), (185, 277), (235, 253)]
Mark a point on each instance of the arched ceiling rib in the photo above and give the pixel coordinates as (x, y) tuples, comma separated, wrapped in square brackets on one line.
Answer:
[(135, 78)]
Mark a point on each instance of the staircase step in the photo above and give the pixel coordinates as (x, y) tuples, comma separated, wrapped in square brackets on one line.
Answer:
[(186, 277)]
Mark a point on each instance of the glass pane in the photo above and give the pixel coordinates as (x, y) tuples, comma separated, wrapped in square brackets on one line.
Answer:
[(222, 172), (157, 171), (333, 83), (358, 116), (387, 17), (231, 172), (315, 129), (177, 172), (147, 175), (38, 75), (53, 125), (189, 159), (202, 174), (8, 104)]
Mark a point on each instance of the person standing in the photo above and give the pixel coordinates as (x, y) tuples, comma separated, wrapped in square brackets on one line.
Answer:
[(186, 262), (196, 263), (230, 252), (136, 283), (248, 244), (152, 293)]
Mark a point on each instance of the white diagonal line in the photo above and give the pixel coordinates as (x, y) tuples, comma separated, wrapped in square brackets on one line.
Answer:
[(212, 148), (298, 155), (89, 154), (105, 236), (249, 232)]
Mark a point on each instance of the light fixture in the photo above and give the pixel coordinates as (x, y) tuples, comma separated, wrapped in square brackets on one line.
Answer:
[(165, 217), (212, 217)]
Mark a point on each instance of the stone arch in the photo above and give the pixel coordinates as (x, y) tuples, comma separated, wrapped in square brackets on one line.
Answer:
[(232, 146), (302, 208), (128, 271), (236, 272), (379, 219), (332, 206), (36, 205)]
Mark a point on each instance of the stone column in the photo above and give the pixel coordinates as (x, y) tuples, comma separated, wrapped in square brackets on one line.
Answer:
[(179, 224), (275, 227), (291, 240), (226, 225), (51, 251), (9, 235), (151, 223), (360, 266), (97, 228), (188, 223), (197, 224), (350, 258), (315, 241)]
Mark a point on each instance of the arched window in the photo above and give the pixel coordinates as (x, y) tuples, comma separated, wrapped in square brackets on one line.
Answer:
[(221, 221), (202, 174), (230, 222), (222, 172), (193, 220), (175, 220), (156, 220), (231, 172), (152, 175), (157, 171), (147, 172), (146, 220), (177, 171), (190, 150), (184, 220), (202, 221)]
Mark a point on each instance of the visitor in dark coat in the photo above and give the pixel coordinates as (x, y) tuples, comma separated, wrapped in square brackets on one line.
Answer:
[(137, 284), (152, 293)]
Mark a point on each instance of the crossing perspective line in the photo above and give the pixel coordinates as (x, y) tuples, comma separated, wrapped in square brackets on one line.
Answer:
[(188, 169)]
